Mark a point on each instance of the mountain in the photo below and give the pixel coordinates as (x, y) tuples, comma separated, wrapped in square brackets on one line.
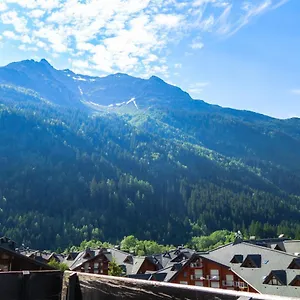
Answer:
[(69, 89), (102, 157)]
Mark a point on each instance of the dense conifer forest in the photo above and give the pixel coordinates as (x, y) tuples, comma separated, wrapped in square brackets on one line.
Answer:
[(161, 172)]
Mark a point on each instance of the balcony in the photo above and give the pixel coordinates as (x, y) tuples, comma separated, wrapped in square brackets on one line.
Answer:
[(228, 283), (241, 285)]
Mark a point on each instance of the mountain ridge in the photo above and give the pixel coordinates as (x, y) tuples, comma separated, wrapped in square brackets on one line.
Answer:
[(76, 78), (124, 155)]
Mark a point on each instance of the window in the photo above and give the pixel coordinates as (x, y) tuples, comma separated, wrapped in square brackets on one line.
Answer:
[(185, 274), (252, 261), (276, 277), (214, 274), (86, 267), (274, 281), (96, 268), (215, 284), (295, 264), (198, 274), (237, 259), (241, 285), (183, 282), (295, 281), (229, 280), (199, 283)]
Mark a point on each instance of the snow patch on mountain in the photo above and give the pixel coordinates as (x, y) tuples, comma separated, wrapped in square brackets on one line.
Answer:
[(79, 78), (132, 100)]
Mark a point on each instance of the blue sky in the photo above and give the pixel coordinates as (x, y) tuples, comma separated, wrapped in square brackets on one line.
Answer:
[(235, 53)]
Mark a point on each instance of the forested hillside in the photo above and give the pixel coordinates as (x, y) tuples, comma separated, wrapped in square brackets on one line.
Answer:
[(161, 172)]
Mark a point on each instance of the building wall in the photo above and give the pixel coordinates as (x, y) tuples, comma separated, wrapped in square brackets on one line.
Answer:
[(203, 272), (11, 262), (97, 265), (147, 266)]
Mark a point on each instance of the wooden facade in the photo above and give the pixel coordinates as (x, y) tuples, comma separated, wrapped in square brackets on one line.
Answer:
[(147, 265), (13, 261), (96, 265), (203, 272)]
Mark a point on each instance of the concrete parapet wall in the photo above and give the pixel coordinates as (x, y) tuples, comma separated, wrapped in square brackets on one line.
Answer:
[(83, 286)]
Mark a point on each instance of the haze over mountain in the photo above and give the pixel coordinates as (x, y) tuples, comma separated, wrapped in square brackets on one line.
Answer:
[(87, 157)]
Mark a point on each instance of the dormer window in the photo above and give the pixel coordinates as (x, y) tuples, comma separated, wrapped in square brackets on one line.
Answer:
[(237, 259), (276, 277), (279, 247), (252, 261), (295, 281), (128, 259), (295, 264)]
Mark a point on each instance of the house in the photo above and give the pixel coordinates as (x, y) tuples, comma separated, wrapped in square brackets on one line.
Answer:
[(90, 261), (169, 265), (97, 262), (241, 266), (11, 260), (256, 268), (42, 256)]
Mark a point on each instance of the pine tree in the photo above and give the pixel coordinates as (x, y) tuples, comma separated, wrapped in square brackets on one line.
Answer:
[(114, 269)]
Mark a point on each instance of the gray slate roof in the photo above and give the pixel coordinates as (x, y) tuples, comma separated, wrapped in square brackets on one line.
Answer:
[(171, 263), (271, 260)]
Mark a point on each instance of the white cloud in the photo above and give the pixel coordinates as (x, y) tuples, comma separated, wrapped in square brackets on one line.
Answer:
[(123, 35), (36, 13), (10, 35), (3, 6), (168, 20), (295, 91), (12, 18), (26, 48), (195, 89), (196, 45), (280, 3), (178, 66), (35, 4)]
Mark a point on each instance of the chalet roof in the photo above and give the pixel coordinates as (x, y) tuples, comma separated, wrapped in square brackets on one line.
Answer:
[(8, 243), (26, 258), (176, 255), (292, 246), (270, 260), (85, 256), (137, 263), (172, 269)]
